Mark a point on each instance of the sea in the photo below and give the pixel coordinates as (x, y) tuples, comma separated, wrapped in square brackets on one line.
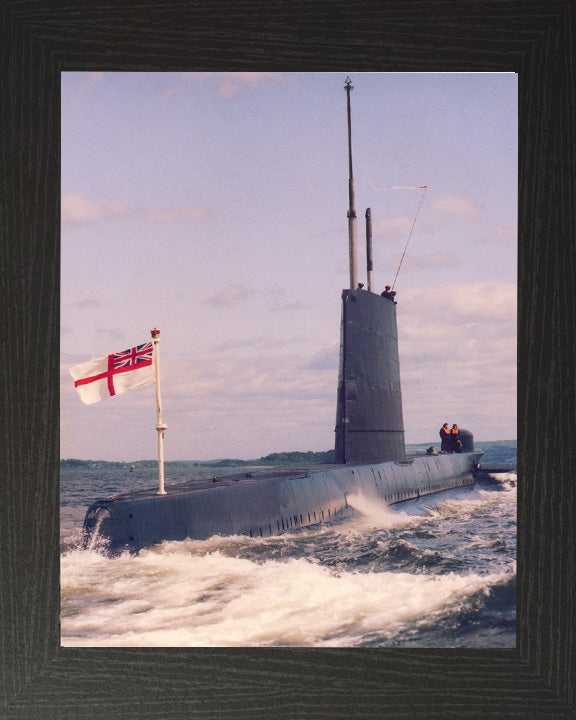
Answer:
[(434, 573)]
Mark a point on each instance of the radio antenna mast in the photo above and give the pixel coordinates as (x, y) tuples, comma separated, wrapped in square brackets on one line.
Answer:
[(351, 207)]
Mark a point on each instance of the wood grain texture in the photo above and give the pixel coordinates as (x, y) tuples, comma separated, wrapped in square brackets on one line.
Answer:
[(38, 679)]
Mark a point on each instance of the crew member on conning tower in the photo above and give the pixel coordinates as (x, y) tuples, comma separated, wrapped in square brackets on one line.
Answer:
[(444, 437), (455, 444), (389, 294)]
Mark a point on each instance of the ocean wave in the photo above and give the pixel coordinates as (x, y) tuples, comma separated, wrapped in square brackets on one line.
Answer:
[(170, 596)]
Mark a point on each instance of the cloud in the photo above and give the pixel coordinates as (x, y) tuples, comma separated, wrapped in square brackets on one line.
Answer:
[(265, 341), (92, 79), (457, 346), (325, 359), (252, 78), (247, 407), (228, 84), (96, 76), (458, 320), (482, 301), (87, 303), (234, 382), (455, 206), (230, 295), (278, 297), (458, 358), (458, 364), (159, 215), (174, 91), (233, 83), (395, 229), (507, 235), (431, 261), (77, 209), (281, 300), (114, 335), (390, 230), (287, 306), (238, 343)]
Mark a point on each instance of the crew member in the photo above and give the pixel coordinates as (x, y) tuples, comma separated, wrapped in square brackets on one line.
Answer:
[(444, 437), (389, 294), (454, 438)]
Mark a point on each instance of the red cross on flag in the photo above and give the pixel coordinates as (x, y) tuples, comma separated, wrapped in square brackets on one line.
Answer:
[(114, 374)]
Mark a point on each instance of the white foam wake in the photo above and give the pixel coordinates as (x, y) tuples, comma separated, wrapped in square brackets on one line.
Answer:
[(169, 596), (377, 513)]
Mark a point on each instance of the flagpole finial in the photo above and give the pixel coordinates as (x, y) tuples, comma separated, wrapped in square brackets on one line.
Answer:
[(155, 333)]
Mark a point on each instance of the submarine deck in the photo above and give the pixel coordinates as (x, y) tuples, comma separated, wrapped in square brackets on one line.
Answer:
[(251, 475), (248, 475)]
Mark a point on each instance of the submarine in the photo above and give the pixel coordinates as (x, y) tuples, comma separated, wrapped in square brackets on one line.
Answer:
[(369, 448)]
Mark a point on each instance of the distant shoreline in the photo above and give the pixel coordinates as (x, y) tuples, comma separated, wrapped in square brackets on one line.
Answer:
[(272, 460)]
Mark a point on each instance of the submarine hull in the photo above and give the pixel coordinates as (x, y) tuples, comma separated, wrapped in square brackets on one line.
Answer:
[(267, 502)]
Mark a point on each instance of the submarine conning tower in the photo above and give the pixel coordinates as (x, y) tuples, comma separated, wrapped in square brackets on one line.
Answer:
[(369, 423)]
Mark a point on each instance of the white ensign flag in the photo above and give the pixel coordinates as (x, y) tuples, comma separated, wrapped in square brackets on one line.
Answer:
[(114, 374)]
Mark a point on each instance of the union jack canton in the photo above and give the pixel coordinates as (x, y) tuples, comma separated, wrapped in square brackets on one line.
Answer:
[(134, 357)]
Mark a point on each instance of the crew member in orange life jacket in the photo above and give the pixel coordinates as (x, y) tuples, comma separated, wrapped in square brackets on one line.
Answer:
[(455, 444), (445, 437)]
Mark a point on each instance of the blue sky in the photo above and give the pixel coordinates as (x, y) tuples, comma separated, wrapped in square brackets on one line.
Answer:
[(213, 206)]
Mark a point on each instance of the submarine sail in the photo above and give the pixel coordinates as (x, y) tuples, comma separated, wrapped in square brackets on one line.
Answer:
[(369, 424)]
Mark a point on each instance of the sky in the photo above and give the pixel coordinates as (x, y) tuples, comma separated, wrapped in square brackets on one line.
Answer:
[(213, 207)]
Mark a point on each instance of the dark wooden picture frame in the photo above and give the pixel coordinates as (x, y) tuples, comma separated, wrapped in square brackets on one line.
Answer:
[(41, 38)]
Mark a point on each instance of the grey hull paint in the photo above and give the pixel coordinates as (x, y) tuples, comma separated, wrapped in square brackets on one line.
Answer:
[(265, 503)]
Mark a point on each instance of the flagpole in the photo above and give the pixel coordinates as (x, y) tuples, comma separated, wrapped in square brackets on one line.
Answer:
[(160, 427)]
